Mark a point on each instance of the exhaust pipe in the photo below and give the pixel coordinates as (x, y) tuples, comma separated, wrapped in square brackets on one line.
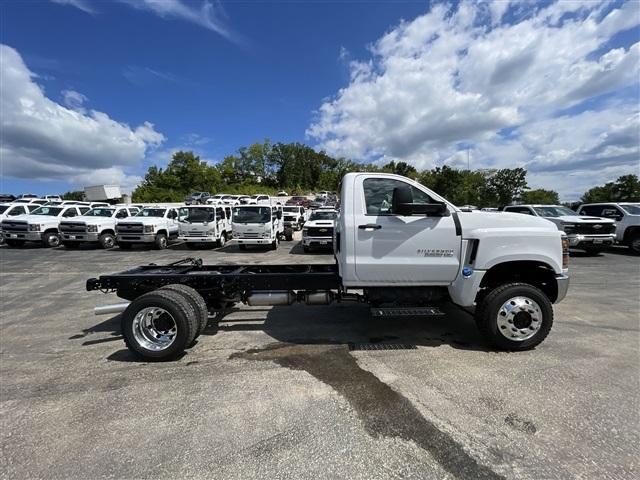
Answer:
[(110, 309)]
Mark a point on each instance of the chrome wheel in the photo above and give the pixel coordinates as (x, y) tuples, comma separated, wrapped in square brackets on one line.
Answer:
[(108, 242), (53, 240), (223, 240), (154, 328), (519, 318)]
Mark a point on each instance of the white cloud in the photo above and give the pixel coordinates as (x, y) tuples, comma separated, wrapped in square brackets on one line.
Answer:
[(42, 139), (81, 4), (460, 75)]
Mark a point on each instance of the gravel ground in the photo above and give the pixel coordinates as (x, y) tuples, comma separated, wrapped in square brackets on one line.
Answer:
[(313, 392)]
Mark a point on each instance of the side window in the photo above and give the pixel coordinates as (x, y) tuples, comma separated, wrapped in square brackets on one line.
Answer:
[(84, 210), (16, 211), (70, 213), (122, 213), (219, 214), (228, 212), (593, 210), (172, 214), (612, 212), (524, 210), (378, 193), (133, 211)]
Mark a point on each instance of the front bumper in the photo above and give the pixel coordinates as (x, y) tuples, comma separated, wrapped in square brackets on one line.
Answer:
[(80, 237), (591, 240), (292, 225), (209, 239), (254, 241), (136, 238), (26, 236), (562, 280), (317, 241)]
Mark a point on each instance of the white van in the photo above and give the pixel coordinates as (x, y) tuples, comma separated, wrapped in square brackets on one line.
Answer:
[(257, 225), (203, 225)]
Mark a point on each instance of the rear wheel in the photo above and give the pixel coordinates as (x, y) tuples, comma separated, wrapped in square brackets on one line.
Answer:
[(221, 242), (161, 242), (515, 316), (51, 239), (634, 244), (159, 325), (196, 301), (107, 241)]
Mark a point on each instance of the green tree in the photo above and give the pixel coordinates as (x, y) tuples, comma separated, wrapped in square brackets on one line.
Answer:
[(77, 195), (625, 189), (401, 168), (541, 196), (504, 186)]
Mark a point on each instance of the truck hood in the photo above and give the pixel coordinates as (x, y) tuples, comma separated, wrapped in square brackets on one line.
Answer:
[(505, 220), (39, 219), (582, 219), (320, 223), (144, 220), (91, 220)]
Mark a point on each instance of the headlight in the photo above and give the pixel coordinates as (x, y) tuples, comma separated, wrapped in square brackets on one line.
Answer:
[(568, 227), (305, 231), (149, 228), (34, 227), (92, 228), (265, 234)]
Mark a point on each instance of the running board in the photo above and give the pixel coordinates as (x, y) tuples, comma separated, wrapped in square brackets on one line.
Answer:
[(406, 312)]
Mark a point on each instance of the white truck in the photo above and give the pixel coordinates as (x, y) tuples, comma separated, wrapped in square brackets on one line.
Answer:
[(10, 210), (157, 225), (294, 217), (257, 225), (318, 230), (398, 246), (98, 225), (591, 234), (41, 226), (204, 225), (626, 216)]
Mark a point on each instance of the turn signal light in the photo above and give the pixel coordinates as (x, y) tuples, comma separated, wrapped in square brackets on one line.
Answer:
[(565, 252)]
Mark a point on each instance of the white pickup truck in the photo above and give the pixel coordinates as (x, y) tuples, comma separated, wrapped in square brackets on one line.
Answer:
[(204, 225), (627, 219), (41, 225), (398, 246), (588, 233), (257, 225), (156, 225), (98, 225)]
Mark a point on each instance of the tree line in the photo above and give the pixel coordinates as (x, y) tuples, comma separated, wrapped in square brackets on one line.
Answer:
[(299, 169)]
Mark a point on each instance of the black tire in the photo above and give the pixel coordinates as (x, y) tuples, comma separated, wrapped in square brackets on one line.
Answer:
[(634, 244), (489, 307), (288, 235), (51, 239), (306, 249), (221, 242), (184, 316), (196, 301), (594, 250), (71, 245), (14, 243), (160, 242), (274, 244), (107, 241), (125, 245), (242, 246)]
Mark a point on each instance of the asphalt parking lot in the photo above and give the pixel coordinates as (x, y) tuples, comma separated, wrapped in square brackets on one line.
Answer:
[(313, 392)]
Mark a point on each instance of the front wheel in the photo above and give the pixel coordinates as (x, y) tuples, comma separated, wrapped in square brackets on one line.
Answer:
[(51, 239), (634, 244), (107, 241), (514, 316), (161, 241), (222, 240), (274, 244)]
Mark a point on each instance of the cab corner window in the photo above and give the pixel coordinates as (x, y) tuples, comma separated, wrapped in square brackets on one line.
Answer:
[(378, 194)]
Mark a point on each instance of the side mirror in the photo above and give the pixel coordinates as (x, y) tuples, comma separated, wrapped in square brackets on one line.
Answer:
[(402, 204)]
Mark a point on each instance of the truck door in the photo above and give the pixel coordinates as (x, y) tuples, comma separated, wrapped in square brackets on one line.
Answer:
[(392, 248)]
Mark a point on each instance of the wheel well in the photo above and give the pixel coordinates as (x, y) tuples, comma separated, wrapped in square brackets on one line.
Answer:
[(630, 232), (162, 231), (51, 230), (108, 230), (538, 274)]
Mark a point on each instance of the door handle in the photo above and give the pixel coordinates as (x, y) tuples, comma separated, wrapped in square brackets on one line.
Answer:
[(370, 226)]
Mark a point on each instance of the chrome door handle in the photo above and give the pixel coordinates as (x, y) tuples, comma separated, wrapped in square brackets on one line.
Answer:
[(370, 226)]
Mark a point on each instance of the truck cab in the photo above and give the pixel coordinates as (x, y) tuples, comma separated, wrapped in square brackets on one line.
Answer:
[(10, 210), (97, 226), (589, 233), (257, 225), (294, 217), (40, 225), (157, 226), (318, 229), (203, 225), (626, 216)]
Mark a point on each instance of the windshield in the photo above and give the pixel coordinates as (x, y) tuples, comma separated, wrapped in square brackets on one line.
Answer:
[(50, 211), (319, 199), (3, 208), (195, 194), (152, 212), (252, 215), (228, 197), (197, 215), (318, 215), (291, 209), (553, 211), (631, 209), (100, 212)]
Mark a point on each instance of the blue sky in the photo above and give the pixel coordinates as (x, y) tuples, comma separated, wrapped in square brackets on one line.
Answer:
[(135, 80)]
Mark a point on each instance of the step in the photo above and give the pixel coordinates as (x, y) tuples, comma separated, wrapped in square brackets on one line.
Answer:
[(406, 312)]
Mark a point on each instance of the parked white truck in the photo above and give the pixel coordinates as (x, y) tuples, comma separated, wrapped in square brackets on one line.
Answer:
[(97, 226), (257, 225), (318, 230), (41, 225), (157, 226), (398, 246), (588, 233), (626, 216), (204, 226)]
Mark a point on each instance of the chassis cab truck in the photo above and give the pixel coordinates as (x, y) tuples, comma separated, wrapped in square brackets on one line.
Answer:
[(399, 247), (257, 225), (203, 225), (156, 226), (97, 226)]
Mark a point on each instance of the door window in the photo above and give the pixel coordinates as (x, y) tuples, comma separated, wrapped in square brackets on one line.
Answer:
[(70, 213), (16, 211), (378, 193), (84, 210), (524, 210), (593, 210), (122, 214)]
